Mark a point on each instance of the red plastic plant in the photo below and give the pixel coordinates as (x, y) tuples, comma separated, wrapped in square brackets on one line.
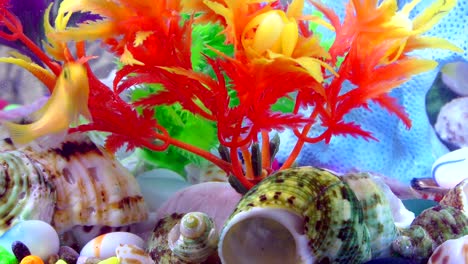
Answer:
[(276, 56)]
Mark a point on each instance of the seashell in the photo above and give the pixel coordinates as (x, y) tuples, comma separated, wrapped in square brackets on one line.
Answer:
[(216, 199), (33, 233), (92, 188), (104, 246), (158, 244), (451, 125), (194, 238), (452, 251), (131, 254), (24, 192), (457, 197), (451, 168), (308, 215), (87, 260), (431, 228)]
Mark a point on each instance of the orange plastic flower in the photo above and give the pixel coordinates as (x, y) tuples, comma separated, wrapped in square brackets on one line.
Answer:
[(368, 24)]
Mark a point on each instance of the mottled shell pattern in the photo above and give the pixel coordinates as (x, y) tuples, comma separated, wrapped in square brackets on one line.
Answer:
[(430, 229), (24, 192), (435, 225), (337, 221), (194, 238), (91, 187)]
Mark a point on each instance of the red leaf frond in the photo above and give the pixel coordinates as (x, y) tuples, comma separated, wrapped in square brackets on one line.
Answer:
[(392, 106), (350, 128)]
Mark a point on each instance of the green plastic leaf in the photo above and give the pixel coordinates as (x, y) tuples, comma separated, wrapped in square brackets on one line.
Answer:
[(181, 125)]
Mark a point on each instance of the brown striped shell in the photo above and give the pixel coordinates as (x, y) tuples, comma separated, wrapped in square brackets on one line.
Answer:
[(92, 188)]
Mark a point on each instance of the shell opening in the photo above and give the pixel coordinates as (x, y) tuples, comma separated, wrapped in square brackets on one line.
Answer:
[(262, 235)]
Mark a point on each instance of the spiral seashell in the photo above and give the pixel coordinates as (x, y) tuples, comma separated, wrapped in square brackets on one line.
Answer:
[(430, 229), (158, 244), (308, 215), (24, 192), (91, 187), (195, 238), (457, 197)]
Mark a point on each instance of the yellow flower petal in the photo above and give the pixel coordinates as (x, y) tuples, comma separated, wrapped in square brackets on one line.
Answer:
[(421, 42), (141, 37), (268, 31), (289, 38), (432, 14), (295, 9), (128, 59)]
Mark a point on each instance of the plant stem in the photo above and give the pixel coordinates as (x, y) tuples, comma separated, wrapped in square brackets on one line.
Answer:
[(237, 169), (202, 153), (266, 156), (248, 163), (54, 67), (300, 142)]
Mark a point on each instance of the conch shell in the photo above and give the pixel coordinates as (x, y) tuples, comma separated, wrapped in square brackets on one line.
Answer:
[(309, 215), (91, 187)]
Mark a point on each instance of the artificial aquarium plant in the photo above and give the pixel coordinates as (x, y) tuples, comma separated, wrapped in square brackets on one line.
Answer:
[(280, 63)]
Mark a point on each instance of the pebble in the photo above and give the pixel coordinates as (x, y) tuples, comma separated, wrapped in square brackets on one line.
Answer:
[(452, 251), (131, 254), (6, 257), (104, 246), (20, 250), (451, 168), (31, 259), (68, 254), (40, 237)]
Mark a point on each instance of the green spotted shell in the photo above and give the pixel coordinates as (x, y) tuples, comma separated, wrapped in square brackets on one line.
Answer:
[(326, 220), (430, 229)]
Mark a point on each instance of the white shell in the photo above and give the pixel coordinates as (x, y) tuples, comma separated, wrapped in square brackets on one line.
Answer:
[(131, 254), (194, 238), (40, 238), (451, 168), (452, 122), (453, 251), (280, 229), (104, 246)]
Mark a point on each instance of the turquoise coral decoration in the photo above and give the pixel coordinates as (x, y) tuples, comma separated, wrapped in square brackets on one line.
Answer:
[(399, 153)]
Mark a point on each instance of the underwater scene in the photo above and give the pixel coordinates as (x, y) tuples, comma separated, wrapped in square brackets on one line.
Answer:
[(233, 131)]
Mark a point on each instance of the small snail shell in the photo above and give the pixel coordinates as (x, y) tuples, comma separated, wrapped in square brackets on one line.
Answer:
[(195, 238)]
